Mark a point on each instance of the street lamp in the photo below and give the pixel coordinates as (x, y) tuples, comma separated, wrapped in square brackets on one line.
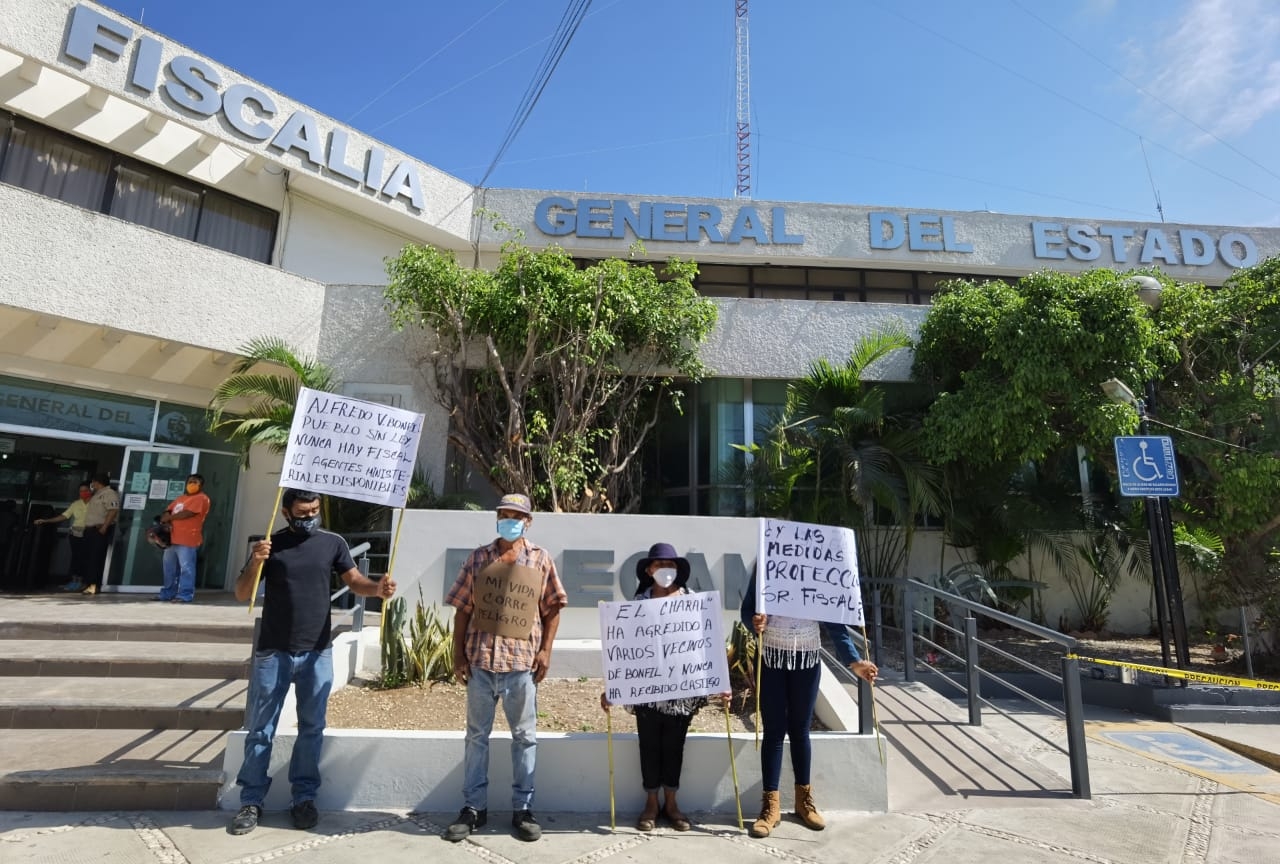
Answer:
[(1164, 561)]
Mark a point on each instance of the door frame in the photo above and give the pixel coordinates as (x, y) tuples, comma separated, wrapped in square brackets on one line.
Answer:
[(129, 450)]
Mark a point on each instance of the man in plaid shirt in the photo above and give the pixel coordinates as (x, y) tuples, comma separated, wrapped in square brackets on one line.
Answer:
[(502, 650)]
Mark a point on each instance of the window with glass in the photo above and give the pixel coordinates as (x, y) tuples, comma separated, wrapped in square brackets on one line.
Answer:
[(60, 166)]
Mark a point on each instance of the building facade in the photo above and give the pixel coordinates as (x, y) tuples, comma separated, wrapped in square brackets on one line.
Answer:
[(159, 210)]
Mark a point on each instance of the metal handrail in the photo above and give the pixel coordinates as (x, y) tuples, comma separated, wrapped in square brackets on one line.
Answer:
[(1073, 709)]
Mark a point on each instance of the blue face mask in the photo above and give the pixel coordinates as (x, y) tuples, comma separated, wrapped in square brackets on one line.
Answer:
[(305, 526), (511, 530)]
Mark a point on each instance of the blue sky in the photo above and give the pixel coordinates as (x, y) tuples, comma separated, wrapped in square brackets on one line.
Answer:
[(1016, 106)]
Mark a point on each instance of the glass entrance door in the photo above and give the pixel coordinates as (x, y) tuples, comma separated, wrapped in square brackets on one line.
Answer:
[(150, 479)]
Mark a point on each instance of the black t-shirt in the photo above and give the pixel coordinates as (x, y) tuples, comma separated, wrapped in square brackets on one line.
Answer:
[(295, 612)]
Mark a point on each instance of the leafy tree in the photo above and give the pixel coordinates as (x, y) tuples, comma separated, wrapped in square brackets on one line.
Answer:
[(552, 373), (1222, 399), (266, 399), (1016, 368)]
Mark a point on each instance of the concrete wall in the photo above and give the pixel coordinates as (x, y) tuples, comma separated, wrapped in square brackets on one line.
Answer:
[(840, 235), (781, 339), (65, 261), (369, 769), (596, 554)]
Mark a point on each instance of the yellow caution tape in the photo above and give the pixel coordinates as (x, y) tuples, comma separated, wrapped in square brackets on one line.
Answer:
[(1201, 677)]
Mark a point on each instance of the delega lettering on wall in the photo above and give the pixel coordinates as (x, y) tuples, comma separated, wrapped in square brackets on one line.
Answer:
[(193, 85)]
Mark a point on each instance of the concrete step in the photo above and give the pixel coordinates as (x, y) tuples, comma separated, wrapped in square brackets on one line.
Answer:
[(75, 630), (110, 769), (111, 659), (1268, 714), (28, 702)]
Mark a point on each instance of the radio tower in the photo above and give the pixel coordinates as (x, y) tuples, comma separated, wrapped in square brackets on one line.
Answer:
[(743, 67)]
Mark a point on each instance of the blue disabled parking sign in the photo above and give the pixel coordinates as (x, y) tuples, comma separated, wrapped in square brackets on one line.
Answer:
[(1147, 467)]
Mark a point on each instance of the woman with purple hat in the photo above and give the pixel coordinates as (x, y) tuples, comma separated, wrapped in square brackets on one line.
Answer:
[(662, 726)]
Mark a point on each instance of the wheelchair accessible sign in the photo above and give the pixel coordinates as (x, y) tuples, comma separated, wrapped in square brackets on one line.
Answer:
[(1146, 466)]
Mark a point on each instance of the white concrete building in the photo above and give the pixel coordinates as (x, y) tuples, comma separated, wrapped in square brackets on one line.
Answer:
[(158, 210)]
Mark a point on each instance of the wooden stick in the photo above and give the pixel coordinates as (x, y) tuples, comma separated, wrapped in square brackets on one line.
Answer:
[(874, 722), (759, 673), (613, 814), (391, 565), (253, 596), (733, 763)]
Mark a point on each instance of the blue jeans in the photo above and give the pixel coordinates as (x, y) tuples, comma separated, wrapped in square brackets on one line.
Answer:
[(787, 699), (311, 673), (520, 703), (179, 573)]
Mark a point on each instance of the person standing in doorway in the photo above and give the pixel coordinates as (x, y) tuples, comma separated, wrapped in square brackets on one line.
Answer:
[(99, 528), (75, 514), (297, 565), (508, 599), (185, 517)]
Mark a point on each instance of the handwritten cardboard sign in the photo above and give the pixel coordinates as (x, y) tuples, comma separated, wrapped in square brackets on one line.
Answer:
[(808, 571), (665, 648), (506, 599), (351, 448)]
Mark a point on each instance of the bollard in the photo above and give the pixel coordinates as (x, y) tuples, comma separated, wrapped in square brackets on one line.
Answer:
[(908, 633), (974, 687)]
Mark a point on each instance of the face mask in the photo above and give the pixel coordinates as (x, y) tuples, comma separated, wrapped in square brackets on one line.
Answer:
[(665, 577), (193, 488), (85, 494), (511, 530), (306, 526)]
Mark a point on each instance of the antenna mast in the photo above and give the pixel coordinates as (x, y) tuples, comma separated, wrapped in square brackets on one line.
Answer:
[(742, 59)]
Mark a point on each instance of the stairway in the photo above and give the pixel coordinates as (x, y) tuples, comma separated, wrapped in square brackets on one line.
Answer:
[(117, 703)]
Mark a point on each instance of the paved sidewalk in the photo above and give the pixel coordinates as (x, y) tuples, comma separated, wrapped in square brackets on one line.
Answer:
[(1160, 794)]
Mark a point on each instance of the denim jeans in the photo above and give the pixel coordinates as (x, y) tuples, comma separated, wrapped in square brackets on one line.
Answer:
[(519, 702), (311, 673), (787, 698), (179, 573)]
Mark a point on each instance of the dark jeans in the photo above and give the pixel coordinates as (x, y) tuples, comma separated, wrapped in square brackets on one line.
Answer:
[(76, 546), (787, 698), (93, 553), (661, 747)]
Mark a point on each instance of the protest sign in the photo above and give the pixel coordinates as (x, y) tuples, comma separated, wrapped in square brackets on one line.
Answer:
[(506, 599), (351, 448), (808, 571), (665, 648)]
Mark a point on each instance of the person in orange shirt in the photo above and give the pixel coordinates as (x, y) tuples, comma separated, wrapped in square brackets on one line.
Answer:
[(185, 517)]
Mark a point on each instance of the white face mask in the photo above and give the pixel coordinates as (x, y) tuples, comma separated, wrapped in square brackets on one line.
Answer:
[(665, 577)]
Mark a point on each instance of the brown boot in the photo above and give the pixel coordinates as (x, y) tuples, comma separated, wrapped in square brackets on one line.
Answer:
[(806, 810), (770, 815)]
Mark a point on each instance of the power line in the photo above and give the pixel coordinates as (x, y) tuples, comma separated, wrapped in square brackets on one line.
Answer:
[(1147, 93), (569, 23), (1151, 179), (437, 53), (470, 78)]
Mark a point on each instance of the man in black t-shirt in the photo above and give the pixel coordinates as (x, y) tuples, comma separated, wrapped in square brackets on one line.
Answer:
[(293, 648)]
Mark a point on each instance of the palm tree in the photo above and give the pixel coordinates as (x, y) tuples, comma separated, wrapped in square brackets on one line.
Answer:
[(838, 456), (272, 398)]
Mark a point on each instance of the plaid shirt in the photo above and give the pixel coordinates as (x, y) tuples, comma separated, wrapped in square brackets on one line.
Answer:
[(501, 653)]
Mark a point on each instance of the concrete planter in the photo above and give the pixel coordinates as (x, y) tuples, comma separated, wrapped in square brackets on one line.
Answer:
[(422, 770)]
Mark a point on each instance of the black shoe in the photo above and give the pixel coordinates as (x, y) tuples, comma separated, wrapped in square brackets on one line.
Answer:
[(246, 820), (304, 815), (469, 820), (526, 826)]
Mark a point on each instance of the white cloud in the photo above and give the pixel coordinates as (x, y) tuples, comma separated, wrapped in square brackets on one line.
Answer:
[(1219, 63)]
